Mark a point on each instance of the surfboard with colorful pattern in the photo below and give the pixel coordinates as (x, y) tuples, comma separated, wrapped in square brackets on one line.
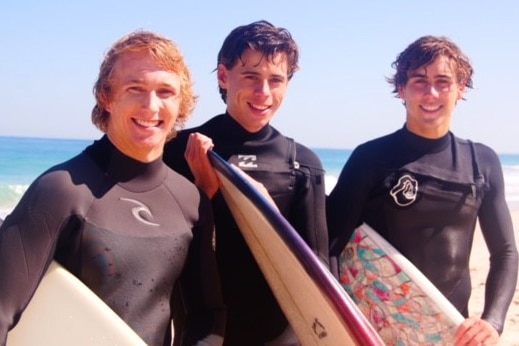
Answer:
[(401, 303)]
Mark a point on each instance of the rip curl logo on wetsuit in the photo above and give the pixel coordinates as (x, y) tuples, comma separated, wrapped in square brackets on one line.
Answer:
[(405, 191), (247, 161), (140, 211)]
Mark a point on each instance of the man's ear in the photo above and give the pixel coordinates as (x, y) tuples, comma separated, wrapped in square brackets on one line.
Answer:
[(221, 74), (462, 90), (401, 93)]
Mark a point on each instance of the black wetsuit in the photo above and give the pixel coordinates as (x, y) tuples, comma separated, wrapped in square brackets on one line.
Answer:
[(294, 177), (425, 197), (130, 231)]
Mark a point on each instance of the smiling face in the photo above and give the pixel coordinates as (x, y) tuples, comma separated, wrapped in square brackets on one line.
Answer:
[(430, 96), (256, 87), (143, 107)]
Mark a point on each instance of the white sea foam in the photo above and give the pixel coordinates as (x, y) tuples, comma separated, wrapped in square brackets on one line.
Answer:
[(4, 213), (329, 183), (10, 195)]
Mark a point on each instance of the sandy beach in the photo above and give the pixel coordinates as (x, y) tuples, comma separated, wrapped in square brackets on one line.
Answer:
[(479, 269)]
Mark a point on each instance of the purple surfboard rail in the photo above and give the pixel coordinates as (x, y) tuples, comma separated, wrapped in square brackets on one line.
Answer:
[(358, 327)]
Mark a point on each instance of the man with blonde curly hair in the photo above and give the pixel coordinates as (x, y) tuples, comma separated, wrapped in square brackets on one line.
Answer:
[(165, 53), (134, 231)]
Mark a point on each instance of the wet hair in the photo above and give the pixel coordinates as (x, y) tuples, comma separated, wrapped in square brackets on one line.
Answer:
[(423, 52), (260, 36), (163, 51)]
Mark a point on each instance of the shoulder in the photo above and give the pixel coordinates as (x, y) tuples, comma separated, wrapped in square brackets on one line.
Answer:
[(182, 189), (380, 146), (70, 174), (483, 152), (212, 126), (390, 139), (189, 198), (306, 156), (179, 142), (66, 186), (483, 158), (180, 185)]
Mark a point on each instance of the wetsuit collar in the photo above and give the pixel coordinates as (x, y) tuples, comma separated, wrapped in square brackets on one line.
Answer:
[(132, 174), (425, 145), (241, 134)]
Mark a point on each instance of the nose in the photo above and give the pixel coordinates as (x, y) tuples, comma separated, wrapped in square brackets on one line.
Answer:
[(431, 89), (151, 101), (263, 87)]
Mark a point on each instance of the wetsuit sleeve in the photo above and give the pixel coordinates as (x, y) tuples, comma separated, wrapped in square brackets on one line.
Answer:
[(308, 216), (345, 204), (200, 283), (28, 239), (497, 228)]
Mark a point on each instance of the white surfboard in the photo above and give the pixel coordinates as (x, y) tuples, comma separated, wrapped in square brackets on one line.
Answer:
[(319, 310), (401, 303), (65, 312)]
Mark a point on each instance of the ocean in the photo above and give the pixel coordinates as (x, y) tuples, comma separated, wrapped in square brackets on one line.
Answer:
[(22, 159)]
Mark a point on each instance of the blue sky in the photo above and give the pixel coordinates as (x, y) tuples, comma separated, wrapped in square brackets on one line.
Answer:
[(52, 50)]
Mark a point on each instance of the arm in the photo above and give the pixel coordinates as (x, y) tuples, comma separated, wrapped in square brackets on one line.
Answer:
[(497, 228), (202, 170), (345, 204), (200, 286), (27, 243)]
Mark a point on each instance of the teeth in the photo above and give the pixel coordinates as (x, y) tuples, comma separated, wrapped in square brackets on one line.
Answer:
[(260, 107), (147, 123)]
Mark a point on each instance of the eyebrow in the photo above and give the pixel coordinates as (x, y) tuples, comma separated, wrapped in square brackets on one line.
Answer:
[(141, 80), (423, 75), (255, 73), (249, 71)]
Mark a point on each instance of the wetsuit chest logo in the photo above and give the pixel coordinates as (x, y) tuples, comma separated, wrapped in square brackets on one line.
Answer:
[(141, 212), (247, 161), (405, 191)]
